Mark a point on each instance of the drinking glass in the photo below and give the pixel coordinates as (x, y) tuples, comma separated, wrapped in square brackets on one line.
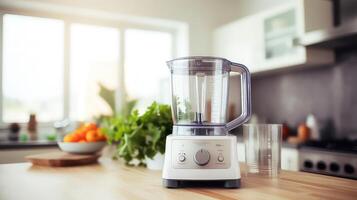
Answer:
[(262, 148)]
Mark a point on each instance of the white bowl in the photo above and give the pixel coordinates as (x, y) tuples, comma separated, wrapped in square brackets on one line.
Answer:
[(81, 148)]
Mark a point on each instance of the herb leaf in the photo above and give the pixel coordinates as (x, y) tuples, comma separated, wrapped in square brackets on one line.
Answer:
[(139, 136)]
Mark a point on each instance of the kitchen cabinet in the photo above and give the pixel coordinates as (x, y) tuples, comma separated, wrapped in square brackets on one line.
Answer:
[(267, 40), (240, 42)]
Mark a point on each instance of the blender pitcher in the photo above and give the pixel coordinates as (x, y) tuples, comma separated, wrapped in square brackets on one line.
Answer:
[(200, 87)]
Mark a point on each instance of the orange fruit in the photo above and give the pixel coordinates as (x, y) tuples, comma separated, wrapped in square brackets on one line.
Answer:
[(88, 132), (68, 138), (81, 134), (81, 141), (101, 136), (89, 126), (76, 137), (91, 136), (71, 138)]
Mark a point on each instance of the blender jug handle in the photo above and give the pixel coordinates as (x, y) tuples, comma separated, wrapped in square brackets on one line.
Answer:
[(245, 96)]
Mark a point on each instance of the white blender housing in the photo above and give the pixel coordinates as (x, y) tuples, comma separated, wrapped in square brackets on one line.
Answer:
[(200, 150)]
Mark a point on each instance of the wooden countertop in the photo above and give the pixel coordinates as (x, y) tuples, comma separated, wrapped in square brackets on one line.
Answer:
[(113, 180)]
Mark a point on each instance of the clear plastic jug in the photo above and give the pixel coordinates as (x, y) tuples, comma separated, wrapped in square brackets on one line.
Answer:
[(200, 87)]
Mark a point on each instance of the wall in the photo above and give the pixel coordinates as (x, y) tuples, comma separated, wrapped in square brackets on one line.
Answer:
[(349, 8), (202, 16), (328, 92)]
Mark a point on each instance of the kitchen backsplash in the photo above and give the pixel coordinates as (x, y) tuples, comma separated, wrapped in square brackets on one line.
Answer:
[(328, 92)]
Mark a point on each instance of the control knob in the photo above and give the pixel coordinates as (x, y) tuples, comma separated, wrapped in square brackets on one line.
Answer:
[(202, 157)]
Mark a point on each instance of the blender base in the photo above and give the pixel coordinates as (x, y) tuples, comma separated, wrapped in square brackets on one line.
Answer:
[(170, 183), (201, 161)]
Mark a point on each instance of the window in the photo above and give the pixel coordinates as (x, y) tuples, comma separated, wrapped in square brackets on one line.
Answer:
[(32, 68), (42, 75), (146, 73), (94, 60)]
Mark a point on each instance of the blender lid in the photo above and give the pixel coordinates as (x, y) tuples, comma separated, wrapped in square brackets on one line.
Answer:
[(200, 63), (198, 58)]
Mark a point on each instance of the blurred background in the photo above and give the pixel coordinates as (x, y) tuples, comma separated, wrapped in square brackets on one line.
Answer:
[(66, 61)]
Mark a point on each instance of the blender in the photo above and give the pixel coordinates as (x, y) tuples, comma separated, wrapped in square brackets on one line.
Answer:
[(200, 151)]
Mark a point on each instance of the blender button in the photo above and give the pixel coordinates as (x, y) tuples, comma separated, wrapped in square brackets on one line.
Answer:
[(182, 158)]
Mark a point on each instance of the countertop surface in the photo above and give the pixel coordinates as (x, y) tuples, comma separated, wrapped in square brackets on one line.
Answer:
[(113, 180)]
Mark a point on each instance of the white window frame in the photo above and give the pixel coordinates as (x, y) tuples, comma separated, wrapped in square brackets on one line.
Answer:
[(178, 35)]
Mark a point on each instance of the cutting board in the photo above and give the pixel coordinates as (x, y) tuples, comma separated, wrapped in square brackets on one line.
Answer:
[(62, 159)]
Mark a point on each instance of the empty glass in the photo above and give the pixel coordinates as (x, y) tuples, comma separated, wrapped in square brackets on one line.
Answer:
[(262, 148)]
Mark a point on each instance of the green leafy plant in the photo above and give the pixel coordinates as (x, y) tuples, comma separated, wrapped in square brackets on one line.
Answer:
[(139, 136)]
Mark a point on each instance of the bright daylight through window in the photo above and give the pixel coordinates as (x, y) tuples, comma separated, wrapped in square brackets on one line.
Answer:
[(32, 74), (94, 61), (146, 73)]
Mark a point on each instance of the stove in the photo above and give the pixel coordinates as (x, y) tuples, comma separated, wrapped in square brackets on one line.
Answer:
[(335, 158)]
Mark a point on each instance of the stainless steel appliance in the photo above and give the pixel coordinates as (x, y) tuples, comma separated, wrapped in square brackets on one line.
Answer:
[(200, 150), (335, 158)]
